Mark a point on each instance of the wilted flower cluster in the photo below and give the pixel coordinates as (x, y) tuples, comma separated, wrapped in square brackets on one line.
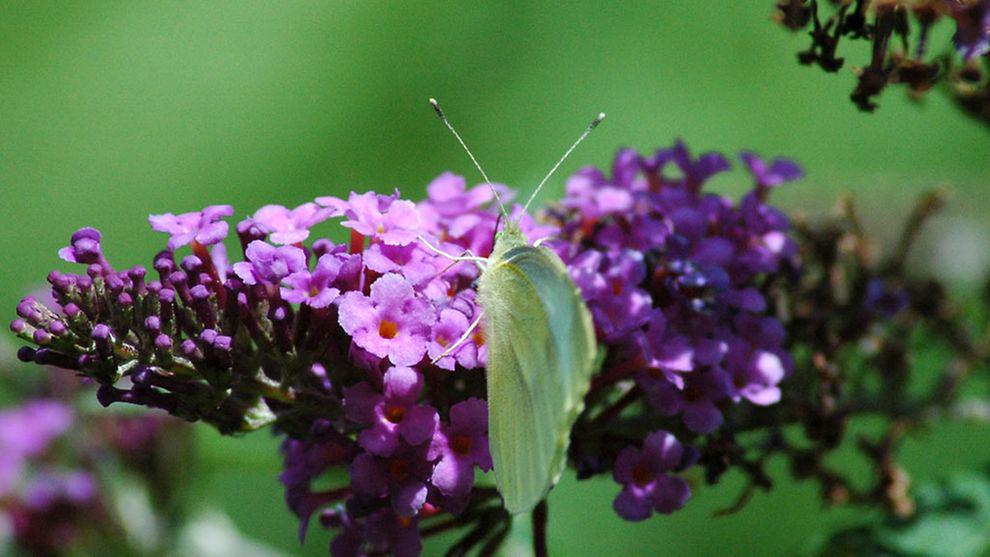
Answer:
[(901, 34), (346, 347)]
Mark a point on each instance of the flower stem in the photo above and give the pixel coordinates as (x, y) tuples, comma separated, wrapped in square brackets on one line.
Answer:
[(540, 530)]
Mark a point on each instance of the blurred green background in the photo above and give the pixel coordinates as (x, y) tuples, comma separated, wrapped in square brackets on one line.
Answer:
[(110, 111)]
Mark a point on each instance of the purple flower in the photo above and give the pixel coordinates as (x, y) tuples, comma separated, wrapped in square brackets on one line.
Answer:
[(286, 226), (779, 171), (398, 535), (590, 195), (315, 288), (884, 299), (27, 431), (643, 474), (203, 227), (448, 195), (462, 445), (393, 322), (755, 373), (695, 171), (696, 402), (270, 264), (665, 351), (401, 477), (448, 329), (393, 221), (391, 415)]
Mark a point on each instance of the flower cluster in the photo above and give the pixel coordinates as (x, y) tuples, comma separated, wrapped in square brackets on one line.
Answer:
[(672, 278), (901, 33), (363, 353)]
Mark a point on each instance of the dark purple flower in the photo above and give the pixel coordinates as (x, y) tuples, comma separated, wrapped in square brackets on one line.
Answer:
[(778, 171), (393, 322), (388, 532), (289, 226), (269, 264), (393, 414), (884, 299), (401, 477), (647, 486), (461, 445), (696, 402), (755, 373), (203, 227)]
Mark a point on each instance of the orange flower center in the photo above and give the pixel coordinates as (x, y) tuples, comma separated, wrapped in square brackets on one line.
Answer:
[(478, 337), (442, 341), (395, 414), (388, 329)]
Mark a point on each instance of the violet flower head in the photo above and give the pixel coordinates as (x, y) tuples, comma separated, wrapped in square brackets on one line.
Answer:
[(392, 415), (778, 171), (269, 264), (647, 485), (203, 227), (393, 322), (290, 226)]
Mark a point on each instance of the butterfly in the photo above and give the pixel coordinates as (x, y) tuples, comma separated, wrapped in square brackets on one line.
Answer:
[(541, 352)]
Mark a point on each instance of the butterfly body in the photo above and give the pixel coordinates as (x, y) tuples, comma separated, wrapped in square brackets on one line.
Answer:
[(541, 354)]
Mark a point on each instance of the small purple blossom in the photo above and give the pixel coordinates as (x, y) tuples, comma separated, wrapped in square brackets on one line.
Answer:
[(646, 483), (449, 328), (884, 299), (779, 171), (269, 264), (394, 221), (392, 322), (290, 226), (315, 288), (393, 414), (203, 227), (462, 445)]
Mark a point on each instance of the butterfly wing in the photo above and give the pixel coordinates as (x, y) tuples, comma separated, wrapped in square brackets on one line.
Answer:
[(541, 353)]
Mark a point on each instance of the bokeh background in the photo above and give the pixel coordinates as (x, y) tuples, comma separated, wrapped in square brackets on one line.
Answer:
[(111, 111)]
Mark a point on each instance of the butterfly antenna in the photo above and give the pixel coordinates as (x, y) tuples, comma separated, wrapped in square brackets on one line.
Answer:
[(443, 118), (594, 124)]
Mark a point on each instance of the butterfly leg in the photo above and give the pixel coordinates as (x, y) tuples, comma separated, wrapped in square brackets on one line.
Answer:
[(455, 258), (460, 341), (539, 242)]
